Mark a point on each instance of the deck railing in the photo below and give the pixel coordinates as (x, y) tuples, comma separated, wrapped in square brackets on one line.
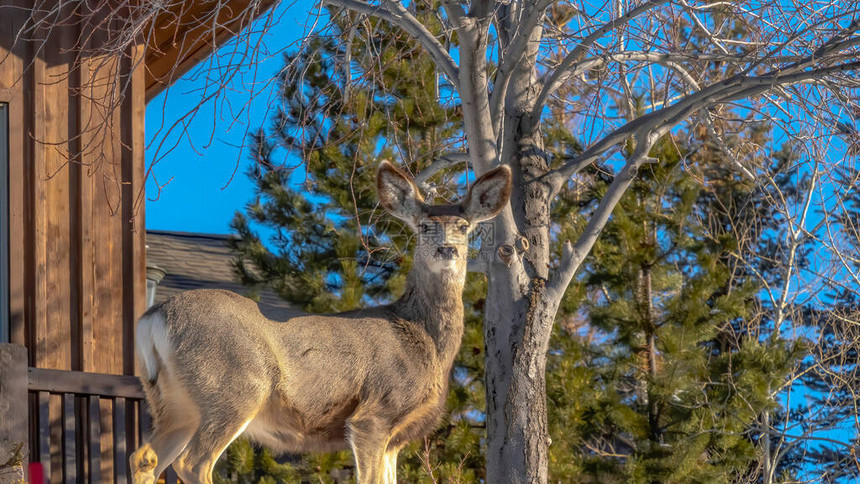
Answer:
[(84, 424), (80, 426)]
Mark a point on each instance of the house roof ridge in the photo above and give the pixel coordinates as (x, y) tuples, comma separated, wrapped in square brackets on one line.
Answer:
[(192, 235)]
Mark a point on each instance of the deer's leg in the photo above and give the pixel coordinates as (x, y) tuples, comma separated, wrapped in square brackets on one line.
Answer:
[(142, 463), (174, 421), (210, 440), (151, 459), (390, 460), (368, 439)]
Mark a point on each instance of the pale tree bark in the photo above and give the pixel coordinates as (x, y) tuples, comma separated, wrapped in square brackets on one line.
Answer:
[(505, 80)]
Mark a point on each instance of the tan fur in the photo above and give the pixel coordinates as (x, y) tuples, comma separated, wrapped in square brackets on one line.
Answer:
[(143, 462), (370, 380)]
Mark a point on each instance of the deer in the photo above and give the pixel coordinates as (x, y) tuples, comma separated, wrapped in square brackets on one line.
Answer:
[(214, 368)]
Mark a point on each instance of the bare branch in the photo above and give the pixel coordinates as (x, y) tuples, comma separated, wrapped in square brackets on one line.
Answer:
[(399, 16), (737, 87), (578, 53), (574, 254), (441, 163), (672, 61), (514, 53), (474, 91)]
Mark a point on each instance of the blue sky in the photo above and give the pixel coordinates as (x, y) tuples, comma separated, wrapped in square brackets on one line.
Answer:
[(203, 177)]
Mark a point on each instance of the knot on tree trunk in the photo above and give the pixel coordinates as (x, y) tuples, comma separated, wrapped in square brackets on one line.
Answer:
[(506, 254), (522, 244)]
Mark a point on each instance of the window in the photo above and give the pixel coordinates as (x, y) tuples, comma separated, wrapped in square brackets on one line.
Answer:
[(4, 223)]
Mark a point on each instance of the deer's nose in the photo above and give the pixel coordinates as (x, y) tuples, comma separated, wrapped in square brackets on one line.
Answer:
[(447, 251)]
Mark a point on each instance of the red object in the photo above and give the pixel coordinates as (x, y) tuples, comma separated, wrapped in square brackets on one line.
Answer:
[(37, 474)]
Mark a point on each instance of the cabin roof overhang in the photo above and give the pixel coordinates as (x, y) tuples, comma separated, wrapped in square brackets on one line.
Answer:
[(188, 33)]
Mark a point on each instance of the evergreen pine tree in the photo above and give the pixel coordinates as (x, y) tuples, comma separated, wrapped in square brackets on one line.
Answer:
[(660, 370), (664, 358)]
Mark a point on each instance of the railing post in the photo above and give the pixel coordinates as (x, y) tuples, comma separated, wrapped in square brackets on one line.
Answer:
[(14, 443)]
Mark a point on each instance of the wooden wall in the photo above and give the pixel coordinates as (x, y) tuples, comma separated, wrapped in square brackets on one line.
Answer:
[(77, 268), (77, 264), (76, 174)]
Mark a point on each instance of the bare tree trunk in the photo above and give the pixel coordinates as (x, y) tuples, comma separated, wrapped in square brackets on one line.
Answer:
[(518, 436), (650, 363), (519, 322), (505, 315), (767, 454)]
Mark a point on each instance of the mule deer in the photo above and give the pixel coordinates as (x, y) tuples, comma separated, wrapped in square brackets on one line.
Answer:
[(214, 368)]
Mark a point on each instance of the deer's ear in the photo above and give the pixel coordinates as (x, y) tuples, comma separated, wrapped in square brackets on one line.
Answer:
[(488, 195), (398, 193)]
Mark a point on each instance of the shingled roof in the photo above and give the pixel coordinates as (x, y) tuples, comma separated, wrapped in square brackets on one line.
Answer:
[(199, 261)]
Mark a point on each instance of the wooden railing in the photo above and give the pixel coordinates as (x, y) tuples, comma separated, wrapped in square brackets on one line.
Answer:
[(72, 426), (83, 425)]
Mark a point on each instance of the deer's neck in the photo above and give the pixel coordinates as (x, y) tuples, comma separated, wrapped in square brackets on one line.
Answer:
[(435, 300)]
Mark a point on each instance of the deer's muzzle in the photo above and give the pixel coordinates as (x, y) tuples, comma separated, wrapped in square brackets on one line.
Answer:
[(446, 252)]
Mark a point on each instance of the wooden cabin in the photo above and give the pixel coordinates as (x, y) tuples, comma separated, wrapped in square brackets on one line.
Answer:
[(74, 84)]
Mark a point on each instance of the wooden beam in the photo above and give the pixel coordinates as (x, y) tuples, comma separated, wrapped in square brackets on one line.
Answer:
[(60, 381), (70, 451), (181, 39), (95, 432)]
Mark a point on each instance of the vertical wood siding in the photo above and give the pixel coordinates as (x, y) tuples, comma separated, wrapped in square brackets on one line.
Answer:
[(77, 268), (77, 262)]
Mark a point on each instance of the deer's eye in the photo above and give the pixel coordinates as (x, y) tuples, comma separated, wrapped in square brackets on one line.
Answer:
[(464, 228)]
